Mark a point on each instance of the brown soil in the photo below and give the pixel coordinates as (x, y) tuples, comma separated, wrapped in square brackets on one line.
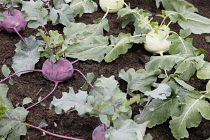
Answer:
[(33, 85)]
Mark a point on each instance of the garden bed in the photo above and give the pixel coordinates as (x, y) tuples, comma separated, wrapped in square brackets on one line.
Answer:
[(33, 85)]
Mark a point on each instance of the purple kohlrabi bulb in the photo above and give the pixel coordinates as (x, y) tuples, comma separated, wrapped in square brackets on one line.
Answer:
[(14, 19)]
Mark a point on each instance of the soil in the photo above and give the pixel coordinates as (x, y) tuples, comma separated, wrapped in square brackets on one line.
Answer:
[(33, 85)]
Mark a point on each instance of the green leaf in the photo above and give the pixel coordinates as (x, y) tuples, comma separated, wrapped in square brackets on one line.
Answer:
[(89, 77), (185, 33), (178, 86), (5, 70), (3, 94), (139, 80), (172, 5), (43, 124), (110, 100), (90, 51), (109, 88), (61, 13), (83, 6), (191, 116), (26, 54), (3, 108), (12, 130), (183, 84), (80, 32), (162, 91), (187, 18), (208, 87), (180, 45), (70, 100), (35, 12), (127, 129), (204, 72), (197, 23), (26, 100), (158, 111), (139, 16), (158, 3), (87, 41), (166, 62), (186, 68), (121, 47)]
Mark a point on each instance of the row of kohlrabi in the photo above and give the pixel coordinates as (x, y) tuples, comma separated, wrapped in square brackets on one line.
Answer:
[(105, 100), (55, 69), (38, 13)]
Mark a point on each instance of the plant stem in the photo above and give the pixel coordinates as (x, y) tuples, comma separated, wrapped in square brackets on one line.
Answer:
[(56, 84), (47, 132), (14, 28), (125, 4), (106, 13), (74, 62), (141, 114), (18, 73), (89, 82), (161, 54)]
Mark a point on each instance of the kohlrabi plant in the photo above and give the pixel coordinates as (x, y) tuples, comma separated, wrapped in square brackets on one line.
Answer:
[(110, 105), (56, 68), (186, 15), (13, 21), (111, 6), (156, 40)]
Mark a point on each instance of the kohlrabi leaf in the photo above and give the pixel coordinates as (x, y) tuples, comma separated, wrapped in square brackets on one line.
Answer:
[(178, 86), (5, 70), (120, 47), (109, 88), (127, 129), (139, 80), (186, 16), (172, 5), (90, 51), (162, 91), (166, 62), (61, 13), (139, 16), (82, 33), (142, 22), (83, 6), (197, 23), (26, 54), (87, 41), (180, 45), (204, 72), (70, 100), (110, 100), (158, 3), (182, 84), (54, 47), (35, 13), (187, 67), (3, 95), (191, 116), (3, 108), (12, 130), (89, 79), (158, 111)]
